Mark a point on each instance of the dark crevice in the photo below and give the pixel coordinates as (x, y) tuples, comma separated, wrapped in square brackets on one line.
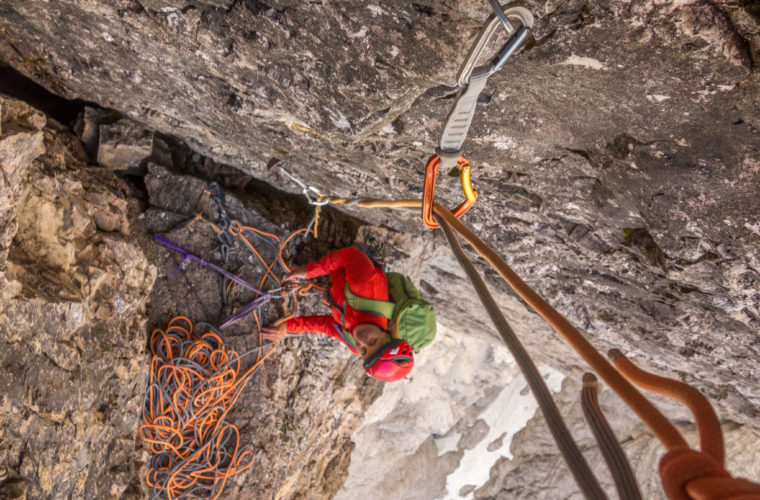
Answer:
[(18, 86)]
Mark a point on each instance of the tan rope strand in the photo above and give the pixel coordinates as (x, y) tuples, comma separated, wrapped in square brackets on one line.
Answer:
[(651, 416)]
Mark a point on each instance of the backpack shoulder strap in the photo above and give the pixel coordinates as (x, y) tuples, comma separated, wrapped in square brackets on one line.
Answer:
[(363, 304), (341, 329)]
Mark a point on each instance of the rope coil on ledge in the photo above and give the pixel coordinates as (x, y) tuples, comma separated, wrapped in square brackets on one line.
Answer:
[(194, 382)]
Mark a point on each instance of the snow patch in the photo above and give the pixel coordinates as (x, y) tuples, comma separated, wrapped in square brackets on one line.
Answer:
[(586, 62), (507, 415), (658, 97), (446, 444)]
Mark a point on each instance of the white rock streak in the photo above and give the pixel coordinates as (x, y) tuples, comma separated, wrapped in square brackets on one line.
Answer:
[(586, 62)]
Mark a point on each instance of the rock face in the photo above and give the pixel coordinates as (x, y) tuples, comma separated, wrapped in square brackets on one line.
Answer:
[(72, 318), (84, 282), (616, 160)]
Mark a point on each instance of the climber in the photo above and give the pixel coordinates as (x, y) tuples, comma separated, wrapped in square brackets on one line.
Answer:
[(364, 333)]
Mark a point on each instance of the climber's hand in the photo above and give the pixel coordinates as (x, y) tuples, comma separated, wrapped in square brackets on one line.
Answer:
[(298, 273), (275, 333)]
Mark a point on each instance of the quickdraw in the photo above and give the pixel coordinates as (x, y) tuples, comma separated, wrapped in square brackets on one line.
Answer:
[(472, 80), (313, 195)]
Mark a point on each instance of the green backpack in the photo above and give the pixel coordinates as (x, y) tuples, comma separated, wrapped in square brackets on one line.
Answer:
[(411, 318)]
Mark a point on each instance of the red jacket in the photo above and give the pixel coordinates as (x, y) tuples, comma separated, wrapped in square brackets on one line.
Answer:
[(352, 265)]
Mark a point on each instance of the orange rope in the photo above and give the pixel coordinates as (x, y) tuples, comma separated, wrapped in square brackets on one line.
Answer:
[(194, 383), (199, 217), (236, 229), (710, 433), (284, 243), (316, 222)]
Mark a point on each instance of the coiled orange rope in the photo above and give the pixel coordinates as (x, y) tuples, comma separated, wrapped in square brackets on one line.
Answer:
[(194, 382)]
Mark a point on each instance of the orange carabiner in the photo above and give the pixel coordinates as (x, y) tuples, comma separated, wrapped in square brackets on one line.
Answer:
[(431, 173)]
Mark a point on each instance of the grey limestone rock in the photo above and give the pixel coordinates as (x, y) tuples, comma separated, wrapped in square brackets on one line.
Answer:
[(123, 145), (616, 159)]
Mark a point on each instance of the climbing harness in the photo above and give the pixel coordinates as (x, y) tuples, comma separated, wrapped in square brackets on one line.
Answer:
[(472, 80), (194, 382)]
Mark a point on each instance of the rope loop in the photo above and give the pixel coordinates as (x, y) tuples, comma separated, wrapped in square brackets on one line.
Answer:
[(235, 228)]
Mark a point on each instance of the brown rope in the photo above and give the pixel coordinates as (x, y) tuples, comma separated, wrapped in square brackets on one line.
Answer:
[(686, 474), (710, 434)]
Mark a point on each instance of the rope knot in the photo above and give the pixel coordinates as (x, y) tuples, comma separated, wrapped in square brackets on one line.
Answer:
[(692, 475)]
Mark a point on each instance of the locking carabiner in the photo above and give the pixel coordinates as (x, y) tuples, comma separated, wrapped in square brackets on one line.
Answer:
[(321, 199)]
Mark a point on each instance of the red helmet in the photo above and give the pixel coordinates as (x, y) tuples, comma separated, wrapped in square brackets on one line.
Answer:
[(391, 362)]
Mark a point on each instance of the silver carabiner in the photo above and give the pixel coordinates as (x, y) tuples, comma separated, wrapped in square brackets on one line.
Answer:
[(306, 190), (501, 16), (315, 202)]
